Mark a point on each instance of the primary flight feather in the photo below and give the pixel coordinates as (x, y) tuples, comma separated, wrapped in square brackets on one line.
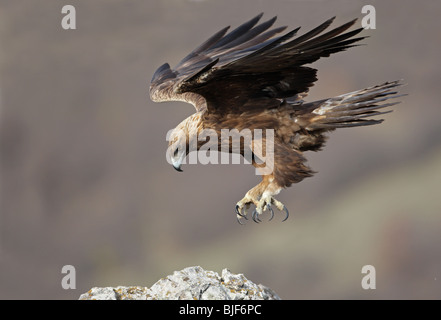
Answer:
[(255, 78)]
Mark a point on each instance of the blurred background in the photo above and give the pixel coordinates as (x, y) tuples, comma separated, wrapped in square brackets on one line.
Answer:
[(85, 182)]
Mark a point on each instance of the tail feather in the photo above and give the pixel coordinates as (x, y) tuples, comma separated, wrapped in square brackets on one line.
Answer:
[(352, 109)]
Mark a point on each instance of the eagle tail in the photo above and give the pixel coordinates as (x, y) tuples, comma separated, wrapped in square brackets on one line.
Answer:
[(353, 109)]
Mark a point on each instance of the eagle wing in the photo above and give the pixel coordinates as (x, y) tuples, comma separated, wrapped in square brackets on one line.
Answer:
[(250, 68)]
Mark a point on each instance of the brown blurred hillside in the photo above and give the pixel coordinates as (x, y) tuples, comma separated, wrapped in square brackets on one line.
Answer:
[(84, 180)]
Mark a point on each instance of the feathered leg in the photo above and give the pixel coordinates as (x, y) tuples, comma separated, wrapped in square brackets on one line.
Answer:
[(286, 166)]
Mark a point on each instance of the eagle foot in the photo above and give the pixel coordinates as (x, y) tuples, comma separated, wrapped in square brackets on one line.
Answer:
[(265, 203)]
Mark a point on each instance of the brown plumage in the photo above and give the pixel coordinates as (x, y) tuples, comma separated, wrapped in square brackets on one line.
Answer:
[(253, 78)]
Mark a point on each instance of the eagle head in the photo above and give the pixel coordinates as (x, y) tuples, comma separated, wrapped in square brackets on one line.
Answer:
[(182, 140)]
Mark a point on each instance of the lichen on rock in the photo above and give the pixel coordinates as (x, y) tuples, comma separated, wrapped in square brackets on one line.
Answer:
[(192, 283)]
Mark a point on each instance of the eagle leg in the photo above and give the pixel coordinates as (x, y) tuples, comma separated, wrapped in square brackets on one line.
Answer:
[(262, 198)]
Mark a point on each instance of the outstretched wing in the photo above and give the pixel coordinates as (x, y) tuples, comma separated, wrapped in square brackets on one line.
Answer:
[(250, 68)]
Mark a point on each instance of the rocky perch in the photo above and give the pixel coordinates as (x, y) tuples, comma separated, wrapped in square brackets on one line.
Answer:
[(192, 283)]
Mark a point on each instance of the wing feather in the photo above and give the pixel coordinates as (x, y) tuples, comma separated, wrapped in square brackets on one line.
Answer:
[(250, 67), (238, 32), (204, 46)]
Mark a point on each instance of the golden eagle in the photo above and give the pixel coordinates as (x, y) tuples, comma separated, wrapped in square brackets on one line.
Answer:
[(254, 78)]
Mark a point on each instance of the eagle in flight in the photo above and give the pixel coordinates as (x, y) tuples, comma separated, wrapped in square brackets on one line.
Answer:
[(254, 78)]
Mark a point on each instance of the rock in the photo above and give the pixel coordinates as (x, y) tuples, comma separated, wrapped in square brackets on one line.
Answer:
[(192, 283), (117, 293)]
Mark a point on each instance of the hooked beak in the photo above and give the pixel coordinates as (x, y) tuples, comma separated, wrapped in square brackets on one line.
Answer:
[(177, 164)]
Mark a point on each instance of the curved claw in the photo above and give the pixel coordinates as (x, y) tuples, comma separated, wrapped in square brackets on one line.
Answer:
[(286, 212), (255, 216), (240, 214), (238, 220), (268, 206)]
